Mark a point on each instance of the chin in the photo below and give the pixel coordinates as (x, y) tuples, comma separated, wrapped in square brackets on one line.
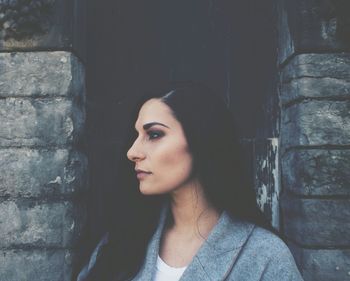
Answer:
[(146, 190)]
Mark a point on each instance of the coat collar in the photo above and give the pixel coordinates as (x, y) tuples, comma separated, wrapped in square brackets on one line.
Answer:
[(214, 259)]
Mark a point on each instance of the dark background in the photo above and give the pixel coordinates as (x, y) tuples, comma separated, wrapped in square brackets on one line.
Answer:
[(135, 45)]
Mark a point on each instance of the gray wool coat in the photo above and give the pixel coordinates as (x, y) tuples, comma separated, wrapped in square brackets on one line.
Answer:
[(234, 250)]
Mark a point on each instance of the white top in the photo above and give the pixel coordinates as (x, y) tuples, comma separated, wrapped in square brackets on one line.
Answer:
[(168, 273)]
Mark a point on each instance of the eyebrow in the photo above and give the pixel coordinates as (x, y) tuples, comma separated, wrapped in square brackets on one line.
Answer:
[(149, 125)]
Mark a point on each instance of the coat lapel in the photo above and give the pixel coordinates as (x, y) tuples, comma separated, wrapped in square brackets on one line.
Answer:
[(214, 259)]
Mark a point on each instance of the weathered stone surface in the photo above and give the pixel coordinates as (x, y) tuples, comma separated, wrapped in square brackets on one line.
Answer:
[(38, 265), (45, 173), (23, 18), (315, 222), (322, 264), (39, 122), (285, 38), (316, 123), (41, 74), (40, 224), (312, 25), (317, 172), (315, 88), (266, 176), (336, 66), (53, 24)]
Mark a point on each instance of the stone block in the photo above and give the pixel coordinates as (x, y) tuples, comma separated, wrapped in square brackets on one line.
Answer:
[(334, 66), (322, 264), (38, 265), (305, 88), (41, 173), (316, 76), (317, 172), (312, 26), (33, 224), (316, 123), (41, 74), (40, 122), (43, 24), (316, 222)]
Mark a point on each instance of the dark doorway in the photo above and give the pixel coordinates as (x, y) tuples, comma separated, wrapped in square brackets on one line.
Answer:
[(135, 45)]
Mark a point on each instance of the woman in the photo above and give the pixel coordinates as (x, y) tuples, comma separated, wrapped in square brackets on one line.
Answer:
[(192, 215)]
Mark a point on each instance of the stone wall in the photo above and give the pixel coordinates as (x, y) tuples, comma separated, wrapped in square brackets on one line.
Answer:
[(42, 174), (314, 61), (43, 170)]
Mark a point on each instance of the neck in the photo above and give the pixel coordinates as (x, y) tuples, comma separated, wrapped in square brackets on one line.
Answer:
[(192, 213)]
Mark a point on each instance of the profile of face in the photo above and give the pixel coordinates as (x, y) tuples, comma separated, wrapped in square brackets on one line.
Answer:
[(163, 162)]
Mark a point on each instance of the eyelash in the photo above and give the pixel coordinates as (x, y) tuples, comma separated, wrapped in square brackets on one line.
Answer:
[(153, 135)]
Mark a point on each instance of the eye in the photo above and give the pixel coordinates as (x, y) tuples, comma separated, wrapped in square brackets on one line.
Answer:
[(155, 134)]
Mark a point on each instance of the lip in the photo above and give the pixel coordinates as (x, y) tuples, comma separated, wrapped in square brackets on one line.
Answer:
[(140, 174)]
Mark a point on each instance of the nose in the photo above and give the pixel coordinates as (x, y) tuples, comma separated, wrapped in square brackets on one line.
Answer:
[(135, 153)]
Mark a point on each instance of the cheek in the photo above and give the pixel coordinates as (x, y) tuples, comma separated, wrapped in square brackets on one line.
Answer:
[(175, 166), (171, 165)]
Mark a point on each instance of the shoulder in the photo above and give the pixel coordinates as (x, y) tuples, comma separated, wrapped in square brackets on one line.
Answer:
[(267, 242), (271, 255), (252, 237)]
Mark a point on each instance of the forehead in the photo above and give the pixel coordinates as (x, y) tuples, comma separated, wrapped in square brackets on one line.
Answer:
[(154, 110)]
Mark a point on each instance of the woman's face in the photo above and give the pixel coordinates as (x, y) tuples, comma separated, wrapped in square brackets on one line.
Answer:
[(162, 159)]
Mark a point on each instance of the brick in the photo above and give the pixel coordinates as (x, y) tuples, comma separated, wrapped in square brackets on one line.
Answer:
[(45, 173), (39, 122), (316, 222), (38, 265), (322, 264), (317, 172), (312, 26), (316, 123), (41, 74), (24, 222)]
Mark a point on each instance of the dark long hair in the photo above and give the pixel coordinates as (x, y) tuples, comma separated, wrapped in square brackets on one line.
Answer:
[(217, 163)]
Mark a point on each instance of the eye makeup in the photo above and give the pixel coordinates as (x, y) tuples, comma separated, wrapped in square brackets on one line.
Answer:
[(155, 134)]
